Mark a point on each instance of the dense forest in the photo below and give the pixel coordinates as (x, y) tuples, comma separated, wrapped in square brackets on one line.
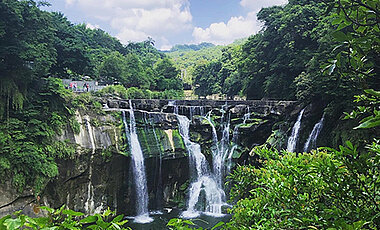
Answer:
[(323, 52), (39, 47)]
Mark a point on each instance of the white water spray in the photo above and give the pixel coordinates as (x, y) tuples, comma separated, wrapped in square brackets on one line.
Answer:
[(142, 215), (205, 194), (292, 141), (311, 142), (89, 205)]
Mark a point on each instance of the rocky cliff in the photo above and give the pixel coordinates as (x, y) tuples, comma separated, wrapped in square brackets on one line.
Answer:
[(99, 175)]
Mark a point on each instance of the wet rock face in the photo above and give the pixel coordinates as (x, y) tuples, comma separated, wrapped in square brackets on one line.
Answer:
[(101, 171), (111, 175)]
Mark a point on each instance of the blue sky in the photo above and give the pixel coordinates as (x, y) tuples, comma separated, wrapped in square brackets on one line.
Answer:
[(168, 22)]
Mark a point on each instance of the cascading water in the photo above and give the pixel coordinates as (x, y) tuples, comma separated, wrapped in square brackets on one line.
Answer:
[(142, 215), (89, 206), (246, 116), (205, 194), (158, 181), (292, 141), (196, 110), (174, 104), (311, 142), (235, 136), (220, 151)]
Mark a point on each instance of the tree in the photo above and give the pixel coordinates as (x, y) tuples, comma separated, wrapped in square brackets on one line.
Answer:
[(167, 75), (135, 75), (113, 68), (273, 58), (26, 52), (72, 56), (358, 32), (207, 79)]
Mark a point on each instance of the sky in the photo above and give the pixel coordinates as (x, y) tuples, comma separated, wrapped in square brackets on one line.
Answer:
[(168, 22)]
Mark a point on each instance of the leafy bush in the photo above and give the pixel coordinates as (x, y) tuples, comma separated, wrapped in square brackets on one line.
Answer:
[(28, 147), (64, 219), (180, 224), (136, 93), (336, 189), (117, 90)]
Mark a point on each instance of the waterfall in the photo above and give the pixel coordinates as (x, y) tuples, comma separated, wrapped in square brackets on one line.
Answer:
[(312, 139), (292, 141), (205, 194), (174, 104), (196, 110), (220, 151), (246, 116), (89, 206), (142, 215), (158, 185)]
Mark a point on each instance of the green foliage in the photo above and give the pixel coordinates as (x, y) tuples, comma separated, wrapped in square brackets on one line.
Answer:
[(136, 93), (167, 75), (272, 59), (72, 58), (358, 31), (27, 137), (117, 90), (191, 47), (206, 78), (113, 68), (336, 189), (186, 60), (64, 219), (26, 50), (180, 224), (368, 111)]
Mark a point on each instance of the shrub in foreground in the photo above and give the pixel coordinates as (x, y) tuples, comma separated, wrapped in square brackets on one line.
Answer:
[(64, 219), (325, 189)]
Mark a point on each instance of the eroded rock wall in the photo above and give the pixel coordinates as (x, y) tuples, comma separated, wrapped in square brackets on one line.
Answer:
[(100, 175)]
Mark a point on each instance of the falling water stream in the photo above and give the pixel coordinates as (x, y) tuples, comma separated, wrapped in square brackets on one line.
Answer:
[(292, 141), (89, 205), (158, 181), (205, 195), (311, 142), (142, 214)]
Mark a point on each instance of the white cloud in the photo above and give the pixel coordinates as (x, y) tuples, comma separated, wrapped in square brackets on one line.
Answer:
[(224, 33), (136, 20), (256, 5), (90, 26), (221, 33), (69, 2)]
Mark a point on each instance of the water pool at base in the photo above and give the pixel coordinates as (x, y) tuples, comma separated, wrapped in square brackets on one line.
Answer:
[(160, 219)]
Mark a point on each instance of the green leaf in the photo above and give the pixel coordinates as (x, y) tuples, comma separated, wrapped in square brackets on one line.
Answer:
[(12, 224), (340, 36), (87, 220), (3, 219), (72, 213), (49, 210), (50, 228), (117, 219), (116, 226), (336, 21), (218, 225), (343, 25), (349, 144), (373, 92), (373, 122)]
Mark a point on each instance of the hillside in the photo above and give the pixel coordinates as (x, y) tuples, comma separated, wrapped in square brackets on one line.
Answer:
[(186, 57)]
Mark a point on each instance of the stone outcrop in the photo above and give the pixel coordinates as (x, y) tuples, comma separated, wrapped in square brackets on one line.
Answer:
[(109, 182)]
